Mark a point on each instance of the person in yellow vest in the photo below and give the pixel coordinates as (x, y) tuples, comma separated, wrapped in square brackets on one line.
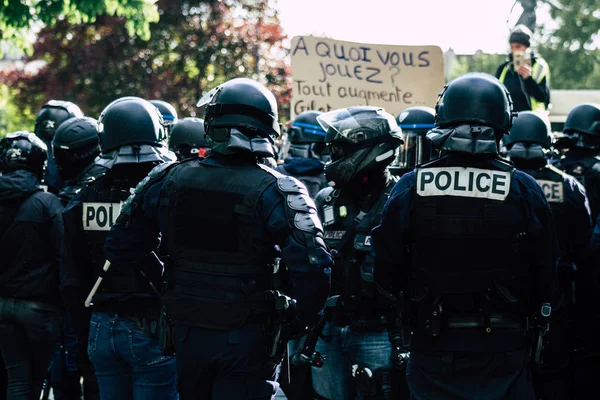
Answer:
[(525, 74)]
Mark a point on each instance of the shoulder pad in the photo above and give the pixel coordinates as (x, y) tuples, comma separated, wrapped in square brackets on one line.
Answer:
[(308, 222), (156, 173), (285, 183), (160, 168), (270, 170), (300, 202), (289, 184)]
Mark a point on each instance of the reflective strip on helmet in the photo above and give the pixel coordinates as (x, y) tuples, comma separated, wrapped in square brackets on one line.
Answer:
[(310, 128)]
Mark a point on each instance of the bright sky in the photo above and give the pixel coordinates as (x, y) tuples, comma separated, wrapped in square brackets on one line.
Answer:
[(463, 25)]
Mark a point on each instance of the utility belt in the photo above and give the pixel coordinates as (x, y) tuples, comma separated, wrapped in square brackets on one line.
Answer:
[(360, 323), (485, 322), (433, 323)]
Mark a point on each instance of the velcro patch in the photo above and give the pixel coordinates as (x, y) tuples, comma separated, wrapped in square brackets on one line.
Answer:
[(463, 182)]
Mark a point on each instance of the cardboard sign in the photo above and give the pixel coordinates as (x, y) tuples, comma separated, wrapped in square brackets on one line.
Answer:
[(330, 74)]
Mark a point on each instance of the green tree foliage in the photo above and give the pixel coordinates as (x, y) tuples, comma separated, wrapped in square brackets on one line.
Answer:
[(19, 17), (479, 62), (11, 118), (194, 46), (574, 60), (569, 49)]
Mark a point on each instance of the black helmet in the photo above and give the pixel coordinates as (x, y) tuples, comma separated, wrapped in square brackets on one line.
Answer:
[(583, 118), (127, 121), (187, 138), (306, 128), (529, 140), (241, 115), (529, 127), (361, 139), (475, 98), (23, 150), (130, 132), (415, 122), (167, 111), (416, 119), (52, 114), (75, 145), (306, 137)]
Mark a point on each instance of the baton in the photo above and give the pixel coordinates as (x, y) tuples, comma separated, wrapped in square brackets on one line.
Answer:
[(88, 301)]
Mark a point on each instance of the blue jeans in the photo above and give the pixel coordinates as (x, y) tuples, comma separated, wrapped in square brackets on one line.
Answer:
[(128, 362), (29, 331), (343, 349)]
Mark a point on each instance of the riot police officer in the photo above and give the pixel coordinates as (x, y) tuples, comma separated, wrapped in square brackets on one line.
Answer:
[(415, 122), (529, 145), (362, 142), (225, 220), (121, 334), (169, 114), (47, 121), (467, 244), (582, 159), (75, 146), (307, 153), (31, 233), (187, 139)]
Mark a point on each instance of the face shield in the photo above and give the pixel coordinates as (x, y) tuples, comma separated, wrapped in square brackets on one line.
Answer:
[(415, 150)]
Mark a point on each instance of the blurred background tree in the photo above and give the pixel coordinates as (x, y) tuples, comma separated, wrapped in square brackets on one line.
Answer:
[(18, 18), (569, 49), (194, 46)]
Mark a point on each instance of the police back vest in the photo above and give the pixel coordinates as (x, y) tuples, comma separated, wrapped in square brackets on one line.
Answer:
[(465, 241), (586, 169), (88, 175), (342, 215), (580, 168), (557, 191), (220, 274), (101, 203)]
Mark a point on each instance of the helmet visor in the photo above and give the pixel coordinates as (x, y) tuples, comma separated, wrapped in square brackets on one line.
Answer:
[(357, 124)]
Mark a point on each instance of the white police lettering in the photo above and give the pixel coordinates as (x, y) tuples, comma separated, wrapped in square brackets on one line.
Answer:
[(463, 182), (335, 235), (100, 216), (552, 190), (367, 241)]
